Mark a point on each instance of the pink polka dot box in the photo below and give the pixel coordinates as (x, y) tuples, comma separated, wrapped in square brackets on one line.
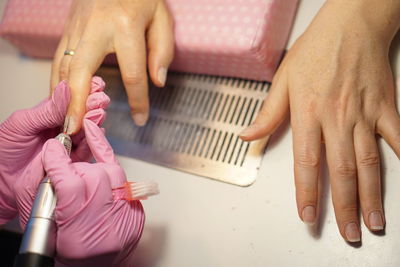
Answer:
[(234, 38)]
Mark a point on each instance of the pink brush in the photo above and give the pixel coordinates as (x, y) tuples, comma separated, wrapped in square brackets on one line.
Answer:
[(136, 190)]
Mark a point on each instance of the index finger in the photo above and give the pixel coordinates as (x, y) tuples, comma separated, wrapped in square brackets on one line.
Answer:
[(98, 144)]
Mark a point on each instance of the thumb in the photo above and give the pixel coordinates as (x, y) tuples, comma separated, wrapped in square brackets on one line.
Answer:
[(52, 114), (48, 114), (272, 113), (68, 185)]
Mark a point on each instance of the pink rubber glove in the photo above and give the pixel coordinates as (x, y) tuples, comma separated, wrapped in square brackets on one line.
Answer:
[(23, 134), (94, 229)]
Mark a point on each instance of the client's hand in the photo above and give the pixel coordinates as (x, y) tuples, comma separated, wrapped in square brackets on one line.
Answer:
[(337, 81), (23, 134), (94, 229), (139, 32)]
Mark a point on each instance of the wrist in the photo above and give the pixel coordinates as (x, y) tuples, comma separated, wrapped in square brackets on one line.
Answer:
[(380, 18)]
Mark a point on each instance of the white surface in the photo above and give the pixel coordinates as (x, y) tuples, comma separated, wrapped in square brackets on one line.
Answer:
[(199, 222)]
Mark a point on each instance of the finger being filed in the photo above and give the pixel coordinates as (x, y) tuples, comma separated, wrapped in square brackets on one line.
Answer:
[(388, 126), (272, 113), (131, 55), (160, 42), (55, 67), (343, 177), (72, 45), (307, 151), (84, 64), (369, 180), (64, 67)]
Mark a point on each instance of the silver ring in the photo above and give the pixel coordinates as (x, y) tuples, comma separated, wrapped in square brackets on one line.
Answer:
[(69, 52)]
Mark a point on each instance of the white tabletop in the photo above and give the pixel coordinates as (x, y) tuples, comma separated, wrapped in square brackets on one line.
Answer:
[(200, 222)]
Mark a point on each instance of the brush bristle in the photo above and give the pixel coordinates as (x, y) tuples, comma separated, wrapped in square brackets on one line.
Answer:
[(142, 190)]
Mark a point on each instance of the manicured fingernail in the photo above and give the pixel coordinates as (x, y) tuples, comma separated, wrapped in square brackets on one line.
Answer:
[(69, 125), (352, 232), (140, 119), (162, 75), (249, 130), (308, 215), (375, 220)]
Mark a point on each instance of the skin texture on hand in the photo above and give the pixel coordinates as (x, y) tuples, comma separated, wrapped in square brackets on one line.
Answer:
[(139, 32), (93, 229), (23, 134), (338, 83)]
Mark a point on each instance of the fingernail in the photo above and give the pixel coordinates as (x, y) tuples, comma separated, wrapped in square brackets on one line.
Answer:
[(352, 232), (375, 220), (162, 75), (249, 130), (308, 215), (140, 119), (69, 125)]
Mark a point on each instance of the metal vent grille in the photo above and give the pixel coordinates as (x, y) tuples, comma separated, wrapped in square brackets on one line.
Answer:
[(193, 126)]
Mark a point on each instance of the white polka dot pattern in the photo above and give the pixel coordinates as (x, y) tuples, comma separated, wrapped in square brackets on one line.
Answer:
[(238, 38)]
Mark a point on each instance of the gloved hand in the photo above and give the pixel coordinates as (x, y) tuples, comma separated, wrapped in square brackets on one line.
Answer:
[(23, 134), (94, 229)]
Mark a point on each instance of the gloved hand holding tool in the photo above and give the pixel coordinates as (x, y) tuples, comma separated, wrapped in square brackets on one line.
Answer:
[(96, 227), (23, 134), (92, 228)]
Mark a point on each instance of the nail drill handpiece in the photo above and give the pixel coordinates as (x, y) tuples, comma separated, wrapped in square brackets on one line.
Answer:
[(38, 242)]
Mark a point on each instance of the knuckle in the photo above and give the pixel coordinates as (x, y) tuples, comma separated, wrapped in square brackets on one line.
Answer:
[(306, 192), (345, 168), (77, 65), (369, 159), (134, 78), (64, 70), (125, 23), (348, 209), (307, 159), (344, 116), (371, 202)]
